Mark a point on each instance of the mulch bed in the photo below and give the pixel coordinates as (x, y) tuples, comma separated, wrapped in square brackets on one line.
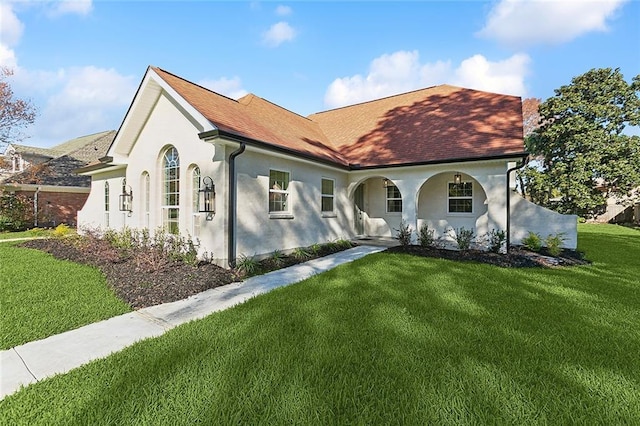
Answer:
[(141, 286), (518, 257)]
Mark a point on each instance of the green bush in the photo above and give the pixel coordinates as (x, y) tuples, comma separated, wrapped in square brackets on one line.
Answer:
[(497, 240), (404, 234), (17, 212), (248, 266), (532, 241), (464, 237), (425, 236), (554, 243)]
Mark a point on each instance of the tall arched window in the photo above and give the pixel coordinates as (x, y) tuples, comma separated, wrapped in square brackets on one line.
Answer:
[(106, 204), (195, 201), (146, 203), (171, 190)]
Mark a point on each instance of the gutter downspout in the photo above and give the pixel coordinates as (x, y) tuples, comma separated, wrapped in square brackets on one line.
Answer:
[(35, 207), (525, 160), (231, 214)]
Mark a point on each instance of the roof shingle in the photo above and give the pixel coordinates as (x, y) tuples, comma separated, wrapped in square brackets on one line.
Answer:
[(436, 124)]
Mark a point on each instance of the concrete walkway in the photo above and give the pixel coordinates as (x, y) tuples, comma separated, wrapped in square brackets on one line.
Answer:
[(34, 361)]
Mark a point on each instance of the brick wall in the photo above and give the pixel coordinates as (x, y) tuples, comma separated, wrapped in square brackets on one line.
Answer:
[(55, 208)]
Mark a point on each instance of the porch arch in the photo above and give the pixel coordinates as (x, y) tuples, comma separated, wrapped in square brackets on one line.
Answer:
[(433, 209)]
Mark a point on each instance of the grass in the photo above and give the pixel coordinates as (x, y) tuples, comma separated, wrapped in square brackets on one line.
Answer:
[(42, 296), (31, 233), (389, 339)]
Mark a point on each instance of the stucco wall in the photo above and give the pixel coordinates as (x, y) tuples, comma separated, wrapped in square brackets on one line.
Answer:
[(529, 217), (259, 232)]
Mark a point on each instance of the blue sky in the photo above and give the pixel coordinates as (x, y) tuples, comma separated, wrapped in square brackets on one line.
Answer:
[(80, 62)]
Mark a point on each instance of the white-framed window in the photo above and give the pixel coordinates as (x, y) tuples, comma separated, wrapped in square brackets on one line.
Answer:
[(106, 204), (171, 191), (195, 201), (146, 198), (278, 191), (394, 199), (328, 189), (460, 197)]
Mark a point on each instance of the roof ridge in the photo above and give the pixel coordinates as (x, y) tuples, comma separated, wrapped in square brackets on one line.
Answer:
[(192, 83), (387, 97)]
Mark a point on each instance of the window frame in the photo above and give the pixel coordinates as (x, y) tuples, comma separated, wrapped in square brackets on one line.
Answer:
[(196, 181), (326, 196), (460, 197), (391, 185), (107, 200), (170, 181), (273, 193)]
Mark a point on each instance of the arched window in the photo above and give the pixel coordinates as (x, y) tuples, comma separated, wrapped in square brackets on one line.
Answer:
[(171, 190), (195, 201), (146, 204), (106, 204)]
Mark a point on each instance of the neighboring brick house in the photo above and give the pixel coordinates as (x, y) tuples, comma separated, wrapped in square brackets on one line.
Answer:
[(47, 176)]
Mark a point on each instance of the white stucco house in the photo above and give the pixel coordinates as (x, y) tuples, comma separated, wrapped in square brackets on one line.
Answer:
[(439, 156)]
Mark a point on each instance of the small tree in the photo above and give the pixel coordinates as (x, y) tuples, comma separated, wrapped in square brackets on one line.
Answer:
[(15, 114), (16, 212)]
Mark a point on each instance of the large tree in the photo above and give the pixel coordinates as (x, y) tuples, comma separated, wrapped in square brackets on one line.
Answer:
[(586, 153), (15, 114)]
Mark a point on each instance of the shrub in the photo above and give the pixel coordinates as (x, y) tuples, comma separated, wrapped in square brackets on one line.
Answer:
[(404, 234), (554, 243), (17, 212), (425, 236), (314, 249), (532, 241), (496, 240), (301, 253), (61, 230), (464, 238), (344, 243), (247, 265), (277, 258)]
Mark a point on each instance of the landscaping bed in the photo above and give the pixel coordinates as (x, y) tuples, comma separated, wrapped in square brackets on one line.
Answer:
[(143, 278), (517, 257)]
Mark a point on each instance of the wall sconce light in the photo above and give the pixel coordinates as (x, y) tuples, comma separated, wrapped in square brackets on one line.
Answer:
[(457, 178), (386, 182), (126, 198), (207, 197)]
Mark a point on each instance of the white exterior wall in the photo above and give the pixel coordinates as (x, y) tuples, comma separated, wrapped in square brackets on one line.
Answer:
[(165, 127), (93, 214), (424, 197), (529, 217), (259, 232)]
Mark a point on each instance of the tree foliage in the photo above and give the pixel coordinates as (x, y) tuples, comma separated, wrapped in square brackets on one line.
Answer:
[(15, 114), (586, 155)]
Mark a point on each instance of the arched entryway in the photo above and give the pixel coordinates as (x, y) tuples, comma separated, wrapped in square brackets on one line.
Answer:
[(452, 200), (377, 207)]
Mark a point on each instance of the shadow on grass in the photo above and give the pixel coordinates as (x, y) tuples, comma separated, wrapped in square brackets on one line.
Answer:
[(387, 339)]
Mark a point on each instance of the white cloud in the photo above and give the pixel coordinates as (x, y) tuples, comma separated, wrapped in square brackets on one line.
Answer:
[(402, 71), (283, 10), (230, 87), (10, 26), (84, 100), (79, 7), (520, 23), (278, 34)]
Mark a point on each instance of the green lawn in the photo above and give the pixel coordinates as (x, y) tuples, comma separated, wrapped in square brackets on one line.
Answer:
[(42, 296), (31, 233), (389, 339)]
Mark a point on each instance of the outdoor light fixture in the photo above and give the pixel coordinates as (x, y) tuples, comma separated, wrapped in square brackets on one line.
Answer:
[(385, 182), (207, 197), (126, 198), (457, 178)]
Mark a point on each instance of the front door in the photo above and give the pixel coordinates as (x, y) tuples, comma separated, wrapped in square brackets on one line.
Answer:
[(358, 207)]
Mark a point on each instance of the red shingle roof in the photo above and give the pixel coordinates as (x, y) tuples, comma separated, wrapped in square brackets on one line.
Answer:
[(436, 124)]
